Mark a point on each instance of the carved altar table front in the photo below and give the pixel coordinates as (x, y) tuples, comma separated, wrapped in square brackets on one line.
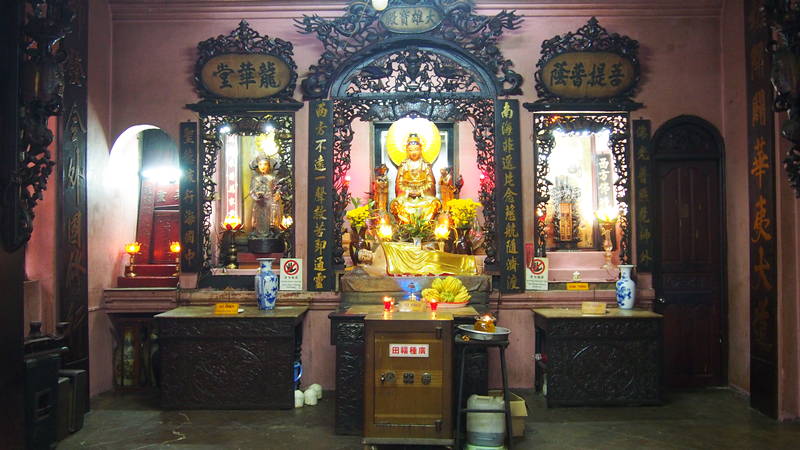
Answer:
[(242, 361), (610, 359)]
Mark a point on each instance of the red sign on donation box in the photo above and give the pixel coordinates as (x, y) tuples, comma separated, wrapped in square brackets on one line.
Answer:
[(408, 350)]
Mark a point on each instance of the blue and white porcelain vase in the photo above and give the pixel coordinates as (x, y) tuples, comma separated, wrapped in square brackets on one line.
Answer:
[(626, 288), (266, 284)]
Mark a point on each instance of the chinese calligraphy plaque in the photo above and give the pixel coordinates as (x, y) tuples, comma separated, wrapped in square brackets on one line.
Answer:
[(589, 66), (411, 19), (584, 75), (245, 66), (191, 254), (644, 229), (245, 76), (763, 219)]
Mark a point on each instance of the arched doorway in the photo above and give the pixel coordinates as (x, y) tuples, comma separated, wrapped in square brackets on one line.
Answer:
[(689, 274)]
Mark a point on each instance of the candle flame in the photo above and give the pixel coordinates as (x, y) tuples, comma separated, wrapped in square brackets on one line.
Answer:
[(175, 247)]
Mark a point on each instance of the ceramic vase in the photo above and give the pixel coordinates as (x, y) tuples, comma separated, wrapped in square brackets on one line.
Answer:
[(462, 245), (266, 284), (626, 288), (358, 241)]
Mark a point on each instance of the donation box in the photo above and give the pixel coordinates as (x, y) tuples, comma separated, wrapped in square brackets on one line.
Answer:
[(408, 378)]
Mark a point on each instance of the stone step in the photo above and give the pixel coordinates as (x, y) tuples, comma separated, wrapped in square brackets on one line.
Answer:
[(141, 281), (154, 270)]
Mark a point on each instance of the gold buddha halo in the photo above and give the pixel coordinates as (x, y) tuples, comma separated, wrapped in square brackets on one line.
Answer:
[(398, 133)]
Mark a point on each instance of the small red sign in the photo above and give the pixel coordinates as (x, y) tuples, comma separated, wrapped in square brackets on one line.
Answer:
[(408, 350)]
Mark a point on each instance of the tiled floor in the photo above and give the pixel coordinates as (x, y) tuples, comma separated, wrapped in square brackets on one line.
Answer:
[(714, 418)]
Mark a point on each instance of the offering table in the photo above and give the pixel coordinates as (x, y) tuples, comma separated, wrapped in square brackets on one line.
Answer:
[(242, 361), (609, 359)]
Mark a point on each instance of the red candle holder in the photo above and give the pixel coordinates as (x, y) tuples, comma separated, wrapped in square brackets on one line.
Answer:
[(387, 303), (434, 305)]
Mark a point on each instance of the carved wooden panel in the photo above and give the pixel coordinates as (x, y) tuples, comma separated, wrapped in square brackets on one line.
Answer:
[(601, 361), (166, 229), (228, 363)]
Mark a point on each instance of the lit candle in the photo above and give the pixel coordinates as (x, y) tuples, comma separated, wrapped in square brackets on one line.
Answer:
[(175, 247), (387, 303), (434, 304)]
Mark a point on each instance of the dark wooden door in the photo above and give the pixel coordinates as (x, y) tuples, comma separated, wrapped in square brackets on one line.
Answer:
[(689, 270)]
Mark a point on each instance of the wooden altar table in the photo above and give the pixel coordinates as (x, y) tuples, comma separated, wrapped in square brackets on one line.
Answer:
[(243, 361)]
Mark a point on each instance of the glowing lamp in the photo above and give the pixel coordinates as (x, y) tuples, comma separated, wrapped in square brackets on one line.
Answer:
[(442, 231), (232, 223), (385, 231), (607, 215), (387, 303), (175, 247), (287, 222), (607, 218), (434, 304), (380, 5), (131, 249)]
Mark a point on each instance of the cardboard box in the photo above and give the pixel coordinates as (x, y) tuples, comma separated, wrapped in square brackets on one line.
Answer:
[(518, 412)]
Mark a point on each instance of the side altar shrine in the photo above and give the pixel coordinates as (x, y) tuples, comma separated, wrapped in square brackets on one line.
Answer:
[(415, 264)]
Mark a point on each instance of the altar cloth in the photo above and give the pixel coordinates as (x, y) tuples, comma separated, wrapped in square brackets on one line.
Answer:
[(403, 258)]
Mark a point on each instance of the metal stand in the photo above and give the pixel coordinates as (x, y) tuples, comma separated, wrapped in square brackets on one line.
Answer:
[(463, 343)]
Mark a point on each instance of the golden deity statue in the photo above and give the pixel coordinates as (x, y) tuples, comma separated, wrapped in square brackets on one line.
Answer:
[(415, 186)]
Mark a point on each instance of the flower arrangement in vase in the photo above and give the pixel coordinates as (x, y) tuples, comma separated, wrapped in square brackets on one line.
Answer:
[(358, 217), (463, 213), (416, 230)]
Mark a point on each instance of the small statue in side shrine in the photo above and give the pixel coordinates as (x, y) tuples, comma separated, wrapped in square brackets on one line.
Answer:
[(380, 188), (267, 203), (447, 189), (415, 186)]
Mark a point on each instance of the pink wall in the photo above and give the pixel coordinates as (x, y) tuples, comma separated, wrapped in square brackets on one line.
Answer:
[(734, 131), (691, 54), (99, 119), (40, 257)]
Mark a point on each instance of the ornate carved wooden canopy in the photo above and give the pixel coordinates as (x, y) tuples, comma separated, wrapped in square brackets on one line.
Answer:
[(366, 48)]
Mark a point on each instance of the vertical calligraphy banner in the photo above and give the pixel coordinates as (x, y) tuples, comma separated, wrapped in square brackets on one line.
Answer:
[(320, 197), (762, 201), (73, 295), (190, 193), (643, 157), (508, 192)]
